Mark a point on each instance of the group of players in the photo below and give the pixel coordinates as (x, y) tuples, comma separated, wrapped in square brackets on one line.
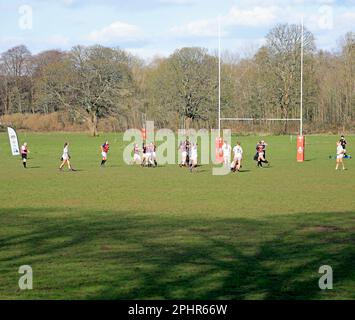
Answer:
[(236, 164), (149, 156), (189, 155)]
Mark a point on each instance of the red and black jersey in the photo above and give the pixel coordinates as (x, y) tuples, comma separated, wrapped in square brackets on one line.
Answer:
[(24, 150), (105, 147)]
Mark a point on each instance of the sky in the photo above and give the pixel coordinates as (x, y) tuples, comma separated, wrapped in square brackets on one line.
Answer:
[(158, 27)]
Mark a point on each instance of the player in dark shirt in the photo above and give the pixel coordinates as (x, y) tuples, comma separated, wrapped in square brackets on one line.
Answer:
[(187, 146), (343, 144), (144, 154), (261, 153)]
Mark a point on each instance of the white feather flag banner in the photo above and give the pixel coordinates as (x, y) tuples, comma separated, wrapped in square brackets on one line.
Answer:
[(13, 141)]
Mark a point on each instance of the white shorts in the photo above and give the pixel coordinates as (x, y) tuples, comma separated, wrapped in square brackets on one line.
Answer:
[(104, 154), (136, 157), (340, 156), (238, 158), (261, 154), (65, 157), (183, 155)]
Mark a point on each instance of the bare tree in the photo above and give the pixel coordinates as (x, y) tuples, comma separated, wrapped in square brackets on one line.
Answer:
[(284, 45)]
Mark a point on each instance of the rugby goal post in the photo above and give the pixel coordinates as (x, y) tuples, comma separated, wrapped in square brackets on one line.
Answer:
[(300, 139)]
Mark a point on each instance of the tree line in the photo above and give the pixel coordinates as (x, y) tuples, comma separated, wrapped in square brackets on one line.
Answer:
[(181, 91)]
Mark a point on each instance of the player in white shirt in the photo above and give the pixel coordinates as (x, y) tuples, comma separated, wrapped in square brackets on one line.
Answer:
[(136, 155), (238, 157), (148, 155), (66, 157), (340, 155), (148, 160), (193, 156), (226, 149), (183, 151)]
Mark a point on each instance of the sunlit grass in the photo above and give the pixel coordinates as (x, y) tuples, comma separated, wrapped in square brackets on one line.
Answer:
[(137, 233)]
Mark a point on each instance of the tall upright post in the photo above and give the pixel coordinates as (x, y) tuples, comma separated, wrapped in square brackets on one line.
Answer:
[(219, 76), (219, 140), (301, 139), (301, 103)]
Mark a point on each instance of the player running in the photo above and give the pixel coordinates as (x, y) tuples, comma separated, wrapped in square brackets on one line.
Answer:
[(104, 150), (343, 144), (24, 152), (340, 155), (260, 154), (238, 157), (66, 158)]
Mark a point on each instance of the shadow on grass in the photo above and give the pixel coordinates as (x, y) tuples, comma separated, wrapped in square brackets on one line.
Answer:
[(126, 255)]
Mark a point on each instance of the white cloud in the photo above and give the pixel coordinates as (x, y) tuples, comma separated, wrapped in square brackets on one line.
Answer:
[(255, 17), (116, 31), (199, 28)]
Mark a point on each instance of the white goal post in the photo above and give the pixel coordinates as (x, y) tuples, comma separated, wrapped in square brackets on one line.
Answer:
[(220, 119)]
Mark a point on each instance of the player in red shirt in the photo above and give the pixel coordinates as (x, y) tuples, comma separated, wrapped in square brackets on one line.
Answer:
[(24, 153), (260, 154), (104, 150)]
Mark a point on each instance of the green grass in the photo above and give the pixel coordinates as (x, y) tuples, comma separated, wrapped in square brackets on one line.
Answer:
[(131, 233)]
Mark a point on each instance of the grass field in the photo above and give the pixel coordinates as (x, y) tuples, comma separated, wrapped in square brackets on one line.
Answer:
[(127, 232)]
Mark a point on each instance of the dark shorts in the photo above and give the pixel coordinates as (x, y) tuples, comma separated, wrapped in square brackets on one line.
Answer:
[(24, 156)]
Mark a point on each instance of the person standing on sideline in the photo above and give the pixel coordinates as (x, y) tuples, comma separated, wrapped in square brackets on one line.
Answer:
[(340, 155), (24, 153), (104, 150), (66, 157)]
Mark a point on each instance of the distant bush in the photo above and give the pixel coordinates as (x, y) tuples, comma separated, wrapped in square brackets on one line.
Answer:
[(60, 121)]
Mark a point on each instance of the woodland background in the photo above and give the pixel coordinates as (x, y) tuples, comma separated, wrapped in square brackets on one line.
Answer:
[(98, 88)]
